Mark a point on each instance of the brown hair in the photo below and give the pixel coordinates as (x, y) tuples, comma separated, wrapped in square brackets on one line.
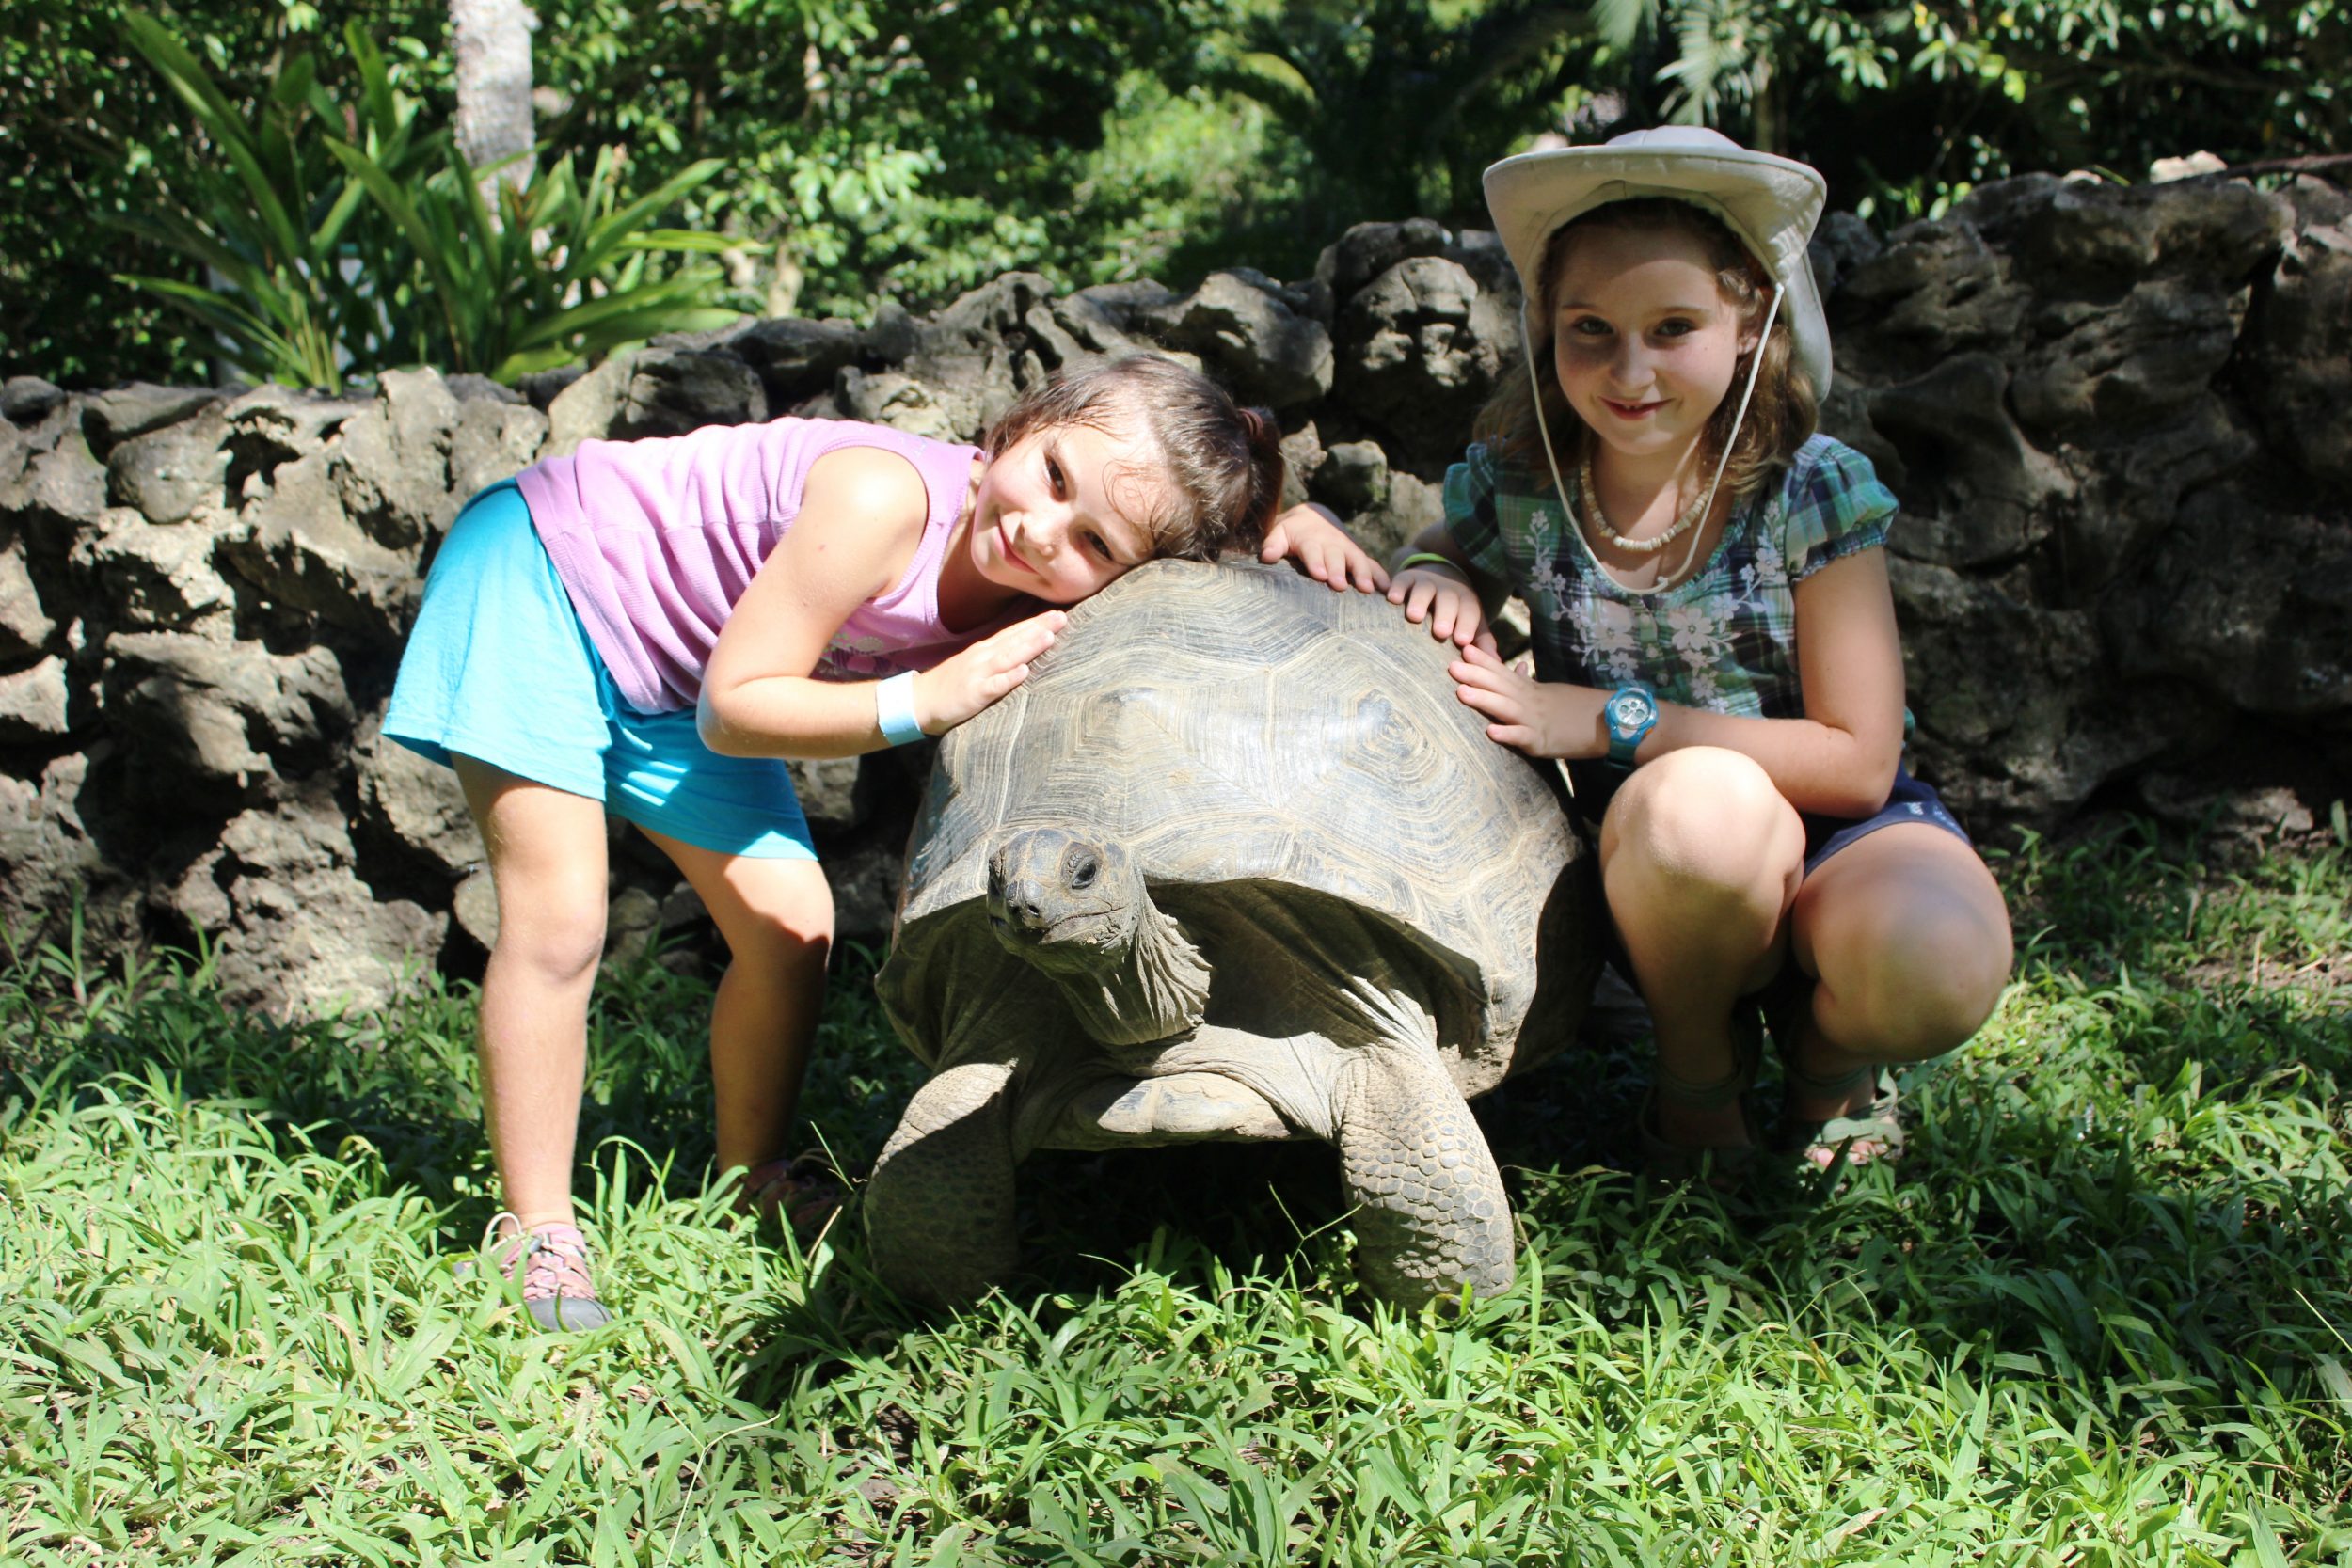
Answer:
[(1779, 419), (1223, 463)]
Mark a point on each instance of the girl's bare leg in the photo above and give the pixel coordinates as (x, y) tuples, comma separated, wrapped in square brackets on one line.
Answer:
[(547, 864), (1701, 858), (1909, 938), (777, 918)]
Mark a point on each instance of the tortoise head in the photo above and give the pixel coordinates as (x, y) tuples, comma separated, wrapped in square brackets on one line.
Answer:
[(1064, 902)]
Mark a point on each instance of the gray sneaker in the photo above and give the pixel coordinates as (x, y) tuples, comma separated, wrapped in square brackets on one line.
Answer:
[(558, 1291)]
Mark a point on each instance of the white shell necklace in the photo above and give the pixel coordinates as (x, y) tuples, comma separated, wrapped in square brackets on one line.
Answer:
[(1599, 519)]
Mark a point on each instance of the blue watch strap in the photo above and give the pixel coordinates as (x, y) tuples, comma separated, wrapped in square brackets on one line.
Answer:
[(1631, 713)]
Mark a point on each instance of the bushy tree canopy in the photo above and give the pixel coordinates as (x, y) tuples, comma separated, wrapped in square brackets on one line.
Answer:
[(914, 146)]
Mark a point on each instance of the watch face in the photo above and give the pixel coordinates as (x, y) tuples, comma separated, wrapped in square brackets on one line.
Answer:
[(1629, 711)]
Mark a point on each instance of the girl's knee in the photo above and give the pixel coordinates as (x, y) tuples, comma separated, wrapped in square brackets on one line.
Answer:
[(787, 910), (1705, 817), (558, 939), (1926, 980)]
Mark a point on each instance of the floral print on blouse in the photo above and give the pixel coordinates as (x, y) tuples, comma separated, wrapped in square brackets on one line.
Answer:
[(1723, 640)]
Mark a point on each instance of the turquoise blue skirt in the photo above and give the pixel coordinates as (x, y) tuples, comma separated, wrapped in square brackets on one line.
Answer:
[(497, 668)]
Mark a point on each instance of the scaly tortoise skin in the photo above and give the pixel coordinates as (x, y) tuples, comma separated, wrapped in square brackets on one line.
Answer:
[(1234, 862)]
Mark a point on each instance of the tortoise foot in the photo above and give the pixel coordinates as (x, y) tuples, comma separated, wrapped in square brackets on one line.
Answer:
[(939, 1210), (1431, 1212)]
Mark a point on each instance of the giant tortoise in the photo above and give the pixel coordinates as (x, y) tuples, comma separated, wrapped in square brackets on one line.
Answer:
[(1235, 863)]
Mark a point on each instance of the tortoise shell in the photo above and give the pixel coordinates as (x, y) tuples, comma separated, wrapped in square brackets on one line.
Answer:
[(1245, 724)]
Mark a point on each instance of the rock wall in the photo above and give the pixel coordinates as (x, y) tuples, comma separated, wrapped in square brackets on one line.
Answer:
[(2116, 417)]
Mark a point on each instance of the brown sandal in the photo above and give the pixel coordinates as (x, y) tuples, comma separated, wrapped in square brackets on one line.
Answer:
[(1826, 1142), (805, 1192), (1722, 1168)]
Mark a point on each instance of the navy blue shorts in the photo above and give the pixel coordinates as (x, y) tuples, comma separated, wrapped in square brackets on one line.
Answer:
[(1909, 801), (1595, 785)]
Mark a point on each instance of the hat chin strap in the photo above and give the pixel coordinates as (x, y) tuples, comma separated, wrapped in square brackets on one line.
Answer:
[(1747, 393)]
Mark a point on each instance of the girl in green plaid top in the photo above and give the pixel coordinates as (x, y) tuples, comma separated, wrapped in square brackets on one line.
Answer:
[(1715, 650)]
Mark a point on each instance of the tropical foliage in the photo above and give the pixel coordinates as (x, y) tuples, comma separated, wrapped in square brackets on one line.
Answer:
[(1906, 105), (914, 146), (326, 253)]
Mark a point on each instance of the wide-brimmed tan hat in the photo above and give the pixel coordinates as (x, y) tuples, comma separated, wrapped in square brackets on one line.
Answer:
[(1772, 204)]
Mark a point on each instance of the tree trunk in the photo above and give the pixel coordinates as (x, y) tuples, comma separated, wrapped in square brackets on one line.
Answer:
[(492, 41)]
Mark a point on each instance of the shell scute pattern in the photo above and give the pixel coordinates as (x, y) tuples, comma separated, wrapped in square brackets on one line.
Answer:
[(1226, 735), (1234, 862)]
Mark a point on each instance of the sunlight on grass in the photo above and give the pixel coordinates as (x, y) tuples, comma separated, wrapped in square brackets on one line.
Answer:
[(2099, 1316)]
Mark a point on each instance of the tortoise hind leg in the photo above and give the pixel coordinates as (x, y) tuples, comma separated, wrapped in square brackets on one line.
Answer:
[(1431, 1214), (939, 1208)]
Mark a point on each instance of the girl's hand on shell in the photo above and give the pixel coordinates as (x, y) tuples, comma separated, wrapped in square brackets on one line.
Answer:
[(1543, 718), (955, 688), (1312, 536), (1447, 602)]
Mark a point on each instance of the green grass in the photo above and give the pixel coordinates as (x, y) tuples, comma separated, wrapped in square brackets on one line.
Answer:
[(2101, 1316)]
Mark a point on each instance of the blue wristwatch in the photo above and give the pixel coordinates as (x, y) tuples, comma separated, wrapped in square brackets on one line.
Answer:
[(1631, 713)]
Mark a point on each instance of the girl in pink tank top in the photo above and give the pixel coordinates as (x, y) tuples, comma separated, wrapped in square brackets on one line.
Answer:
[(695, 610)]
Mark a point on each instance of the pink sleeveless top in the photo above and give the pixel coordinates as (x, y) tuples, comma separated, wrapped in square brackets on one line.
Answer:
[(655, 540)]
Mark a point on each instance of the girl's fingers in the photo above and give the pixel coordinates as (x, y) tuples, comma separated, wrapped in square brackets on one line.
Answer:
[(1025, 639), (1483, 658), (1035, 633), (1518, 736), (1501, 706), (1479, 675)]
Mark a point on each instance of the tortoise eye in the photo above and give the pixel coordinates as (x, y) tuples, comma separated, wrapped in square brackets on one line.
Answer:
[(1083, 870)]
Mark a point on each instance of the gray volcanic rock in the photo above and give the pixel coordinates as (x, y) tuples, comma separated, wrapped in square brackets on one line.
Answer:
[(2298, 351), (1421, 347), (1257, 337), (2115, 418), (283, 898), (25, 625), (654, 391), (168, 473)]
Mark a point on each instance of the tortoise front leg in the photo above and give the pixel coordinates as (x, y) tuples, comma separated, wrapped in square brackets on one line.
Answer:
[(1431, 1214), (939, 1208)]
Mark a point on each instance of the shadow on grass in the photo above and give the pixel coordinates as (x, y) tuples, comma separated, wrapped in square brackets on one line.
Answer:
[(2134, 1180), (2131, 1180), (403, 1080)]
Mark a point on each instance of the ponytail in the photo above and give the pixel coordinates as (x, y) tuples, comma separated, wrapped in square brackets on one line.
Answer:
[(1264, 478)]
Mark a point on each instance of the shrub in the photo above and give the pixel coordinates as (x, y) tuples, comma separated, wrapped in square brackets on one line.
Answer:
[(328, 255)]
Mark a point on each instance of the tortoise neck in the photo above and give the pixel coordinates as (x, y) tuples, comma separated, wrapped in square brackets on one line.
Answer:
[(1159, 991)]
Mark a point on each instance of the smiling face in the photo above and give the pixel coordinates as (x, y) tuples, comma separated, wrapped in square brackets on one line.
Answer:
[(1644, 342), (1066, 510)]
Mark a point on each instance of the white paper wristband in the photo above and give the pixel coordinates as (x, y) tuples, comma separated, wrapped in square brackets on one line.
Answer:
[(893, 709)]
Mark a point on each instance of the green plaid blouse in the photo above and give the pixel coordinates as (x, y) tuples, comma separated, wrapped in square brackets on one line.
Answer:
[(1724, 640)]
